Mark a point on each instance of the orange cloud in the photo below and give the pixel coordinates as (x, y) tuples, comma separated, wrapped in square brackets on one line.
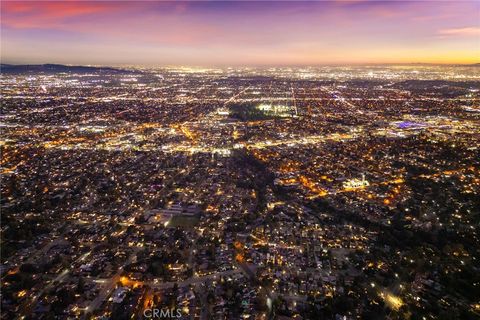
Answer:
[(47, 14), (466, 31)]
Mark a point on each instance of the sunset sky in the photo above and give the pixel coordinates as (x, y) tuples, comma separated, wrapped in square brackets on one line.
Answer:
[(219, 33)]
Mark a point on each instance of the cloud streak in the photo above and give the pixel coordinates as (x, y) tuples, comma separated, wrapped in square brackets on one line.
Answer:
[(465, 31)]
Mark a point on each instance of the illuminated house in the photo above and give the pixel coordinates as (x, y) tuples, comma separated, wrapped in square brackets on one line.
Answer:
[(356, 183)]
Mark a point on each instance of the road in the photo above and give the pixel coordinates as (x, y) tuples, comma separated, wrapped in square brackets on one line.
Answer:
[(110, 285), (193, 280)]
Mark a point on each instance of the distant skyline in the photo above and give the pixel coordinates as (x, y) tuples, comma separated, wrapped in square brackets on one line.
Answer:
[(250, 33)]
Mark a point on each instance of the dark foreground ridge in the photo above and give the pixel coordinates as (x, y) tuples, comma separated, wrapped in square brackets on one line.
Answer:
[(57, 68)]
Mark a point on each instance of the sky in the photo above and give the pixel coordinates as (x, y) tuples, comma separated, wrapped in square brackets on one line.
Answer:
[(249, 33)]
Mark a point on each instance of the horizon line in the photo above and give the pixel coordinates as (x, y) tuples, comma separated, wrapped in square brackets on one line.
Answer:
[(247, 65)]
